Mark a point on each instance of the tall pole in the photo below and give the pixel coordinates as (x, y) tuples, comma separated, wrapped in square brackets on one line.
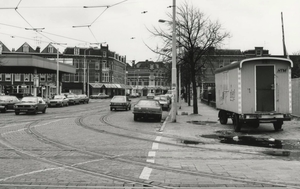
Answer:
[(57, 72), (174, 72), (84, 66)]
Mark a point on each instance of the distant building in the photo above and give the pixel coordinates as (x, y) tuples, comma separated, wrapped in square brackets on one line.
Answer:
[(148, 77)]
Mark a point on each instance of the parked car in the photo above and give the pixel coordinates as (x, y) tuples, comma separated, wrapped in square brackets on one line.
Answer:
[(146, 108), (59, 100), (120, 102), (150, 96), (31, 105), (134, 95), (83, 98), (73, 99), (170, 93), (168, 98), (163, 101), (7, 102), (99, 96)]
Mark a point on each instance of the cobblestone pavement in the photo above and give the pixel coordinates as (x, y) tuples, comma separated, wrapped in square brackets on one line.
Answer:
[(169, 155)]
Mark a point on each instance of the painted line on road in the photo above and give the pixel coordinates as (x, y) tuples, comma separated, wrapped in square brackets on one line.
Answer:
[(154, 146), (146, 173), (151, 154)]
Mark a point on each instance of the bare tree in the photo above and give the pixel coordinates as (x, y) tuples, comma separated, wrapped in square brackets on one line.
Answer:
[(196, 34)]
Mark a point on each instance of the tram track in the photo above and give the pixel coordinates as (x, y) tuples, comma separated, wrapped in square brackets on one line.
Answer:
[(31, 131)]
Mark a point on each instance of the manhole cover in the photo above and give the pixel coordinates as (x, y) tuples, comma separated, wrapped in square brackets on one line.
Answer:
[(190, 142)]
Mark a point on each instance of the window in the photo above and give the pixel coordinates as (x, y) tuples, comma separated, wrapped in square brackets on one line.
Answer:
[(17, 77), (76, 51), (31, 77), (7, 77), (97, 77), (76, 77), (49, 77), (26, 48), (42, 77), (97, 66), (76, 63), (104, 64), (105, 77), (104, 53), (0, 77), (258, 52), (26, 77), (50, 49), (66, 78)]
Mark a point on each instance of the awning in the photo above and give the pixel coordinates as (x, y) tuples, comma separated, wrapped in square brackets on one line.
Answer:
[(110, 86), (96, 85), (123, 86)]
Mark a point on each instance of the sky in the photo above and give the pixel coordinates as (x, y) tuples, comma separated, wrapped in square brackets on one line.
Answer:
[(123, 24)]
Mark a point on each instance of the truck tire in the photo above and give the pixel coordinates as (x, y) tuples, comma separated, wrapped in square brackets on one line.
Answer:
[(278, 125), (236, 123), (254, 124), (223, 117)]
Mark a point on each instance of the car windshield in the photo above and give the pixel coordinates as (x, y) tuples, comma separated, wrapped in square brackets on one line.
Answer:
[(71, 96), (29, 99), (147, 103), (58, 97), (119, 99)]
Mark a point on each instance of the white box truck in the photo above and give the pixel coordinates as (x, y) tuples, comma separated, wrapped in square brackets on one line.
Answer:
[(253, 91)]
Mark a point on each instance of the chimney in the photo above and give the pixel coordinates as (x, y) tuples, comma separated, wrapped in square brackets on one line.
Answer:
[(38, 49)]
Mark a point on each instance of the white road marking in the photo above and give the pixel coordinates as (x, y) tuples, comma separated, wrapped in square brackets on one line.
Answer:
[(146, 173), (158, 138), (154, 146), (151, 154), (150, 160)]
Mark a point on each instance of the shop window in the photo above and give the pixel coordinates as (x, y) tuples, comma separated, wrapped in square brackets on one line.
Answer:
[(17, 77), (7, 77)]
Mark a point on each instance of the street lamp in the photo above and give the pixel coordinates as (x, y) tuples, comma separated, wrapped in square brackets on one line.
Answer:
[(57, 67), (174, 77)]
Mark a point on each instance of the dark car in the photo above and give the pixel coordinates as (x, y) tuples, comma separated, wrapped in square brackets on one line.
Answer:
[(146, 108), (73, 99), (83, 98), (120, 102), (31, 105), (7, 102)]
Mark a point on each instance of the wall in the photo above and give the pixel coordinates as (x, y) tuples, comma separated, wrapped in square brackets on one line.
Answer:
[(296, 96)]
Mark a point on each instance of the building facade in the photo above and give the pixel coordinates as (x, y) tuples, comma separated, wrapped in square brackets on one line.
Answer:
[(97, 70), (148, 77)]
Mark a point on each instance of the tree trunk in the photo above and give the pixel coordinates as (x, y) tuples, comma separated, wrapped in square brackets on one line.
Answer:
[(195, 100)]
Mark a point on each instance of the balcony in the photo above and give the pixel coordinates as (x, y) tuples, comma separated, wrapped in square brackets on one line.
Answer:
[(105, 69)]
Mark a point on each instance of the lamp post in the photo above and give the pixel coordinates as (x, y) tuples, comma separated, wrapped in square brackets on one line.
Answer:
[(174, 71), (57, 67)]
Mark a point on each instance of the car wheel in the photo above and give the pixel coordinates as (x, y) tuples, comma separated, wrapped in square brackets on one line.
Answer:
[(35, 111), (44, 110), (223, 117), (17, 113), (4, 109), (111, 109)]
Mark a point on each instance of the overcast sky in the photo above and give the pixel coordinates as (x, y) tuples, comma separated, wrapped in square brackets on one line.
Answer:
[(123, 26)]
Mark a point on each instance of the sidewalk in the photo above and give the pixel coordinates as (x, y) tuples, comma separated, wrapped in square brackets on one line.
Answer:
[(248, 164), (206, 116)]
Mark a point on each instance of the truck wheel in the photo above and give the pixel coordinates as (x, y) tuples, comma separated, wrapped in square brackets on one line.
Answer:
[(277, 125), (236, 123), (223, 117)]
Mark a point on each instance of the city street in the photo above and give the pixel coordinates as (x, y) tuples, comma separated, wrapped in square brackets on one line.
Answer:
[(89, 146)]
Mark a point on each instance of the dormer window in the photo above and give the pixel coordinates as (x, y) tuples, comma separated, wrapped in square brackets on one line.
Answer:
[(258, 52), (50, 49), (25, 48), (76, 51), (104, 54)]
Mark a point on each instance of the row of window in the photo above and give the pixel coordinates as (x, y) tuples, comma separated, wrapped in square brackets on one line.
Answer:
[(25, 77)]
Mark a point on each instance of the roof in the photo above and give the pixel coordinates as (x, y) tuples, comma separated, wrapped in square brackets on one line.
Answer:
[(239, 64)]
